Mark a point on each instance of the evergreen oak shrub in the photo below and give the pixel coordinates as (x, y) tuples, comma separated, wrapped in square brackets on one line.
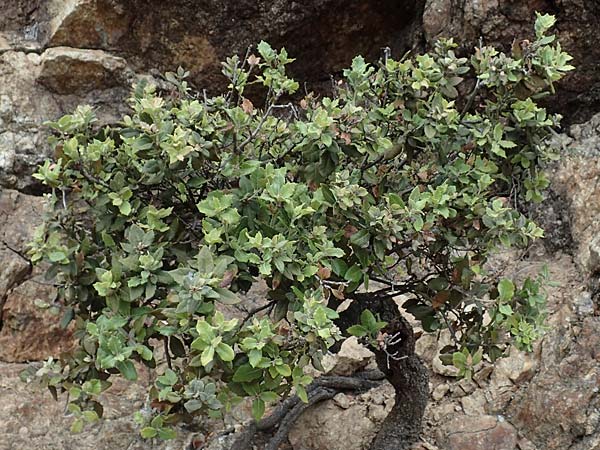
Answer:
[(408, 175)]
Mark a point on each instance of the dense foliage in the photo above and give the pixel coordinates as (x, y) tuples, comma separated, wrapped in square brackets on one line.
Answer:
[(407, 176)]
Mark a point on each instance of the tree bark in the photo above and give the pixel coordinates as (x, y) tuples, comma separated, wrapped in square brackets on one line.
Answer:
[(397, 361), (408, 375), (401, 367)]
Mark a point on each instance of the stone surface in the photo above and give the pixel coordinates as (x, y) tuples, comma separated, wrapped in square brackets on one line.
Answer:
[(518, 367), (593, 261), (351, 358), (561, 402), (66, 70), (31, 418), (499, 22), (474, 404), (24, 105), (27, 332), (576, 177), (479, 433), (351, 427), (18, 215)]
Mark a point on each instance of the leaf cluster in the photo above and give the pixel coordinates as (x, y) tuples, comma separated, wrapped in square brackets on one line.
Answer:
[(408, 175)]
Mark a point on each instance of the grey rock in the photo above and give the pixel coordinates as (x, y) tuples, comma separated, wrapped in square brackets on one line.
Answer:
[(66, 70), (351, 358), (32, 419)]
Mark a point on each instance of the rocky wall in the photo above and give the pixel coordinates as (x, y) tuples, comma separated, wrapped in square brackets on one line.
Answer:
[(56, 54)]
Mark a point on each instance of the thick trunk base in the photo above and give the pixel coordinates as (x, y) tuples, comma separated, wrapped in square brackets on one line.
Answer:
[(407, 373)]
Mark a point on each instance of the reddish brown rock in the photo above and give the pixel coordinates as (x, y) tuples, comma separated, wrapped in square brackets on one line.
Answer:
[(561, 402), (27, 332), (30, 332), (85, 24), (479, 433)]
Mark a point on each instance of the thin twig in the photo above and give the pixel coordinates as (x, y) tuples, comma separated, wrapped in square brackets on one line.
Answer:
[(167, 354)]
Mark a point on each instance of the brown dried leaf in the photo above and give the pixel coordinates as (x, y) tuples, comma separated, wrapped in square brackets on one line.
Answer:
[(349, 230), (247, 106), (423, 176), (344, 305), (228, 277), (456, 276), (324, 273), (439, 299), (253, 60), (276, 281)]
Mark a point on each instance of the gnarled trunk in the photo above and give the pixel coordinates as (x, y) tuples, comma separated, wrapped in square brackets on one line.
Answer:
[(407, 373)]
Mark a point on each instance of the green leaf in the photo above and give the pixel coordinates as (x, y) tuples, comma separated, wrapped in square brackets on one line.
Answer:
[(339, 267), (368, 320), (169, 378), (543, 23), (301, 392), (148, 432), (246, 373), (506, 289), (225, 352), (166, 434), (67, 317), (227, 297), (357, 330), (90, 416), (205, 332), (459, 360), (207, 355), (430, 132), (258, 408), (354, 274), (125, 208), (284, 370), (57, 256), (269, 396), (418, 223), (254, 357), (92, 387), (77, 426), (74, 393), (204, 261), (361, 238), (127, 369)]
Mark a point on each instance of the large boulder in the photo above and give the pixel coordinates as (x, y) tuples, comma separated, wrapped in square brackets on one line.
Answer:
[(500, 22), (29, 318), (576, 178), (35, 88), (108, 38), (56, 54), (66, 70), (478, 433)]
